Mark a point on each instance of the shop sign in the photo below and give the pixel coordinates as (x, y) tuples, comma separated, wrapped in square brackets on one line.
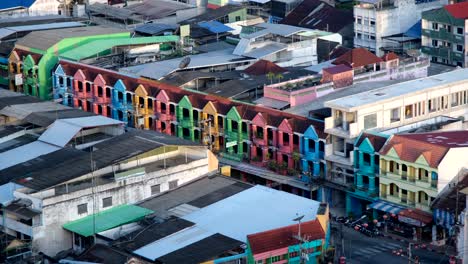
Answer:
[(410, 221), (231, 144), (18, 79)]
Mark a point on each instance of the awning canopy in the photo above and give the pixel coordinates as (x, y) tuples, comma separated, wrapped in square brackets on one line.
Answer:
[(387, 207), (415, 217), (108, 219)]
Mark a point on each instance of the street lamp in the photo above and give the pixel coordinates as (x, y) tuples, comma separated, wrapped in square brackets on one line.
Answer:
[(302, 257)]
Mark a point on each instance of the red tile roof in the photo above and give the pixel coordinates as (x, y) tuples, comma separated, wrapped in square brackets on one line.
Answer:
[(337, 69), (377, 141), (198, 99), (417, 214), (433, 146), (263, 67), (357, 58), (390, 56), (459, 10), (283, 237)]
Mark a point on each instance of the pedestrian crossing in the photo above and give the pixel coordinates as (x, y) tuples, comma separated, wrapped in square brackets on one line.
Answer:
[(369, 252)]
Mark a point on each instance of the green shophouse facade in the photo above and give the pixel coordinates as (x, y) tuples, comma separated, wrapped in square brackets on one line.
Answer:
[(444, 35), (49, 45)]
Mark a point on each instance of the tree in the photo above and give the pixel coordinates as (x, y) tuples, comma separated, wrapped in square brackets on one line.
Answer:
[(296, 157), (279, 77), (270, 77)]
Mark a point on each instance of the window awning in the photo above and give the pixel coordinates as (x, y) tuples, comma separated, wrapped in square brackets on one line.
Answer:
[(108, 219), (387, 207), (415, 217)]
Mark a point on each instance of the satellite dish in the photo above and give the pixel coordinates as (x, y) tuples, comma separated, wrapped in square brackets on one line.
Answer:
[(184, 62)]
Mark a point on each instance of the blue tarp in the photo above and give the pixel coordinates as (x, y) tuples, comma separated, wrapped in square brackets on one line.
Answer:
[(6, 4), (215, 26), (387, 207), (414, 31)]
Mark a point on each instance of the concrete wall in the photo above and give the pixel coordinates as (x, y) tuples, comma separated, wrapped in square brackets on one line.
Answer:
[(450, 166), (390, 21), (51, 238)]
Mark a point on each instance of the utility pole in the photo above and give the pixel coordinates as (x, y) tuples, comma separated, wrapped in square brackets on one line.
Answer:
[(410, 258)]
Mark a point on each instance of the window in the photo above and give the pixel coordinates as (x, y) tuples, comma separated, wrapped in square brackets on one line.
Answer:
[(395, 115), (460, 30), (449, 28), (454, 99), (275, 259), (238, 18), (82, 209), (459, 47), (173, 184), (370, 121), (311, 145), (435, 26), (366, 158), (155, 189), (359, 35), (359, 20), (435, 43), (106, 202), (372, 23), (372, 37), (408, 111)]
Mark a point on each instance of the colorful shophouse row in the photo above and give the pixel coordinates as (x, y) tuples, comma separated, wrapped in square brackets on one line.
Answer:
[(238, 131), (35, 56)]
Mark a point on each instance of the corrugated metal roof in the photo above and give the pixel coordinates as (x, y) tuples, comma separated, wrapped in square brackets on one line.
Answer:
[(215, 26), (60, 133), (108, 219), (45, 39), (64, 130), (256, 203), (9, 4), (264, 51), (25, 153), (154, 28), (157, 70), (414, 31), (96, 47)]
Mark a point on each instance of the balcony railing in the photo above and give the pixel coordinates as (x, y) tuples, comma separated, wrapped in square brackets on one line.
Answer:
[(443, 34), (102, 100)]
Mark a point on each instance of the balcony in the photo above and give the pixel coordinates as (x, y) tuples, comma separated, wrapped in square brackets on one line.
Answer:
[(83, 95), (186, 122), (102, 100), (18, 226), (423, 184), (342, 159), (367, 169), (285, 148), (433, 51), (394, 199), (259, 141), (141, 111), (443, 34), (311, 155), (423, 206), (346, 130)]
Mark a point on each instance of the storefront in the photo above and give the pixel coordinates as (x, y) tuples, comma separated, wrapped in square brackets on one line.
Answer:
[(405, 222)]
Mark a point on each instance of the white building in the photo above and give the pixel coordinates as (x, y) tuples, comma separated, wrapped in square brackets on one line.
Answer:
[(18, 8), (392, 106), (375, 19), (283, 44), (69, 184)]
